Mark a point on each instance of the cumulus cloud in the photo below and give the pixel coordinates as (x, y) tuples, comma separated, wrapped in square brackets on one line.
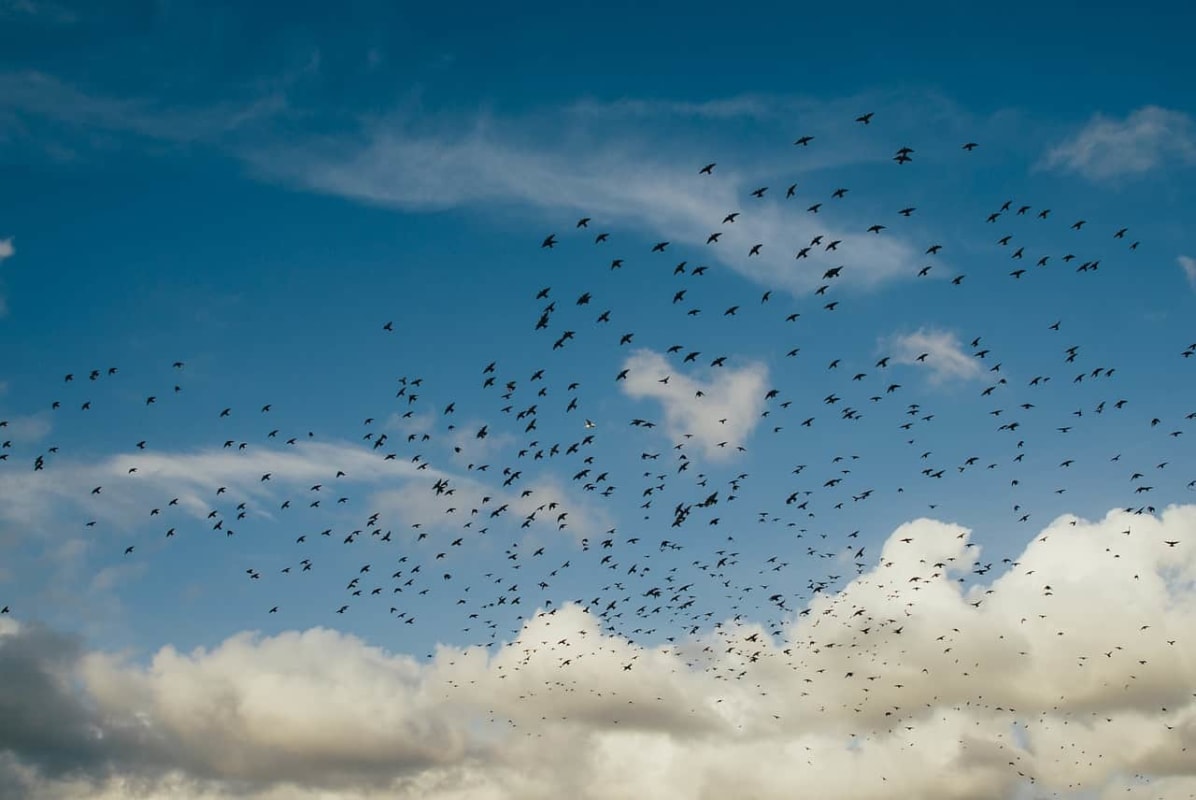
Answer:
[(904, 683), (719, 412), (938, 351), (1188, 265), (1107, 148), (47, 731), (257, 708)]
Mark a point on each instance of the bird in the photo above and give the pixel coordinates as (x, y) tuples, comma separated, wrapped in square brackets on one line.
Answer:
[(484, 472)]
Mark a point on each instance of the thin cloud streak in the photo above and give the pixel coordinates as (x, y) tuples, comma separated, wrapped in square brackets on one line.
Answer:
[(40, 96), (501, 162), (615, 185), (192, 477)]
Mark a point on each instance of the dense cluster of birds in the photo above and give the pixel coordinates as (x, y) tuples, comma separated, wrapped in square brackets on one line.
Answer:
[(562, 464)]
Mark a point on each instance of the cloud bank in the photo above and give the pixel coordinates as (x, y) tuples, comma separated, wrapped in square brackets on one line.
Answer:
[(902, 684)]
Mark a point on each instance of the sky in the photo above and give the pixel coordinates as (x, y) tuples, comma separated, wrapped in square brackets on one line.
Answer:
[(407, 401)]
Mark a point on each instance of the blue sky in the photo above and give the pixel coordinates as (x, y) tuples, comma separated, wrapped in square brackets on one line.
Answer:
[(257, 194)]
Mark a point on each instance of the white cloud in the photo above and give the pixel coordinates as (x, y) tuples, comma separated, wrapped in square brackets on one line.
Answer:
[(901, 684), (936, 350), (1189, 267), (474, 498), (419, 424), (192, 477), (1109, 148), (28, 427), (599, 161), (398, 487), (6, 251), (247, 709), (468, 449), (496, 164), (720, 420)]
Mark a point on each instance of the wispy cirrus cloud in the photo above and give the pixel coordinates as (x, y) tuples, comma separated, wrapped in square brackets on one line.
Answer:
[(131, 483), (1108, 148), (738, 107), (938, 351), (37, 97), (601, 161), (490, 165)]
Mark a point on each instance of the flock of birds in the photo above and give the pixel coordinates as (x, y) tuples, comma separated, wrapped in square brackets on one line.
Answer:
[(549, 462)]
